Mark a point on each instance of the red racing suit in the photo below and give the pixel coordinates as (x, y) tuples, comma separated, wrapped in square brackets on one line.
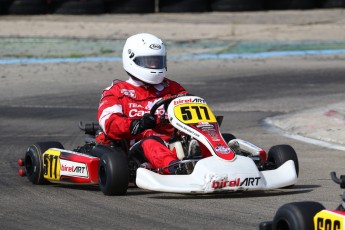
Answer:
[(125, 101)]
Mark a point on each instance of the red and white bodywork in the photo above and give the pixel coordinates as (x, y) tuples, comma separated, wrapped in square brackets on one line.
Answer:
[(224, 170), (61, 165)]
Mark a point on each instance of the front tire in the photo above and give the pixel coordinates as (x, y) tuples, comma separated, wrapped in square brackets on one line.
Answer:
[(228, 137), (279, 154), (296, 215), (34, 161), (113, 173)]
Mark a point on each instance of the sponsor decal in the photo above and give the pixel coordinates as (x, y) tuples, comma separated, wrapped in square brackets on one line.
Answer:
[(130, 53), (213, 134), (51, 163), (190, 100), (128, 92), (136, 113), (75, 169), (222, 149), (155, 47), (194, 113), (247, 182), (329, 220), (135, 105), (139, 113), (187, 130), (138, 110), (205, 125)]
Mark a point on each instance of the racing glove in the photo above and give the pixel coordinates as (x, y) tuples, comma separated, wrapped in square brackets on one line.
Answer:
[(148, 121)]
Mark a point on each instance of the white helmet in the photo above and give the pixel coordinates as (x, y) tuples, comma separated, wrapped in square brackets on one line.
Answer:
[(144, 57)]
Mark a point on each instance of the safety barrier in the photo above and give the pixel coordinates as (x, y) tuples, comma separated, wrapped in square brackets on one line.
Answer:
[(81, 7)]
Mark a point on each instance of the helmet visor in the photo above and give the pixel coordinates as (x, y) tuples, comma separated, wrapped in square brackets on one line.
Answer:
[(151, 62)]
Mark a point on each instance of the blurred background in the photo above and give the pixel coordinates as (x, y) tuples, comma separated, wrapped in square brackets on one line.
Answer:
[(83, 7)]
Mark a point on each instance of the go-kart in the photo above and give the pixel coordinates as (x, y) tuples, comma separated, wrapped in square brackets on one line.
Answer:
[(308, 215), (233, 164)]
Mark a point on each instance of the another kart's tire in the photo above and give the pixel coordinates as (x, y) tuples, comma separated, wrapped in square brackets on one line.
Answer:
[(78, 7), (4, 4), (289, 4), (129, 6), (331, 3), (28, 7), (34, 161), (228, 137), (279, 154), (181, 6), (296, 215), (113, 173), (236, 5)]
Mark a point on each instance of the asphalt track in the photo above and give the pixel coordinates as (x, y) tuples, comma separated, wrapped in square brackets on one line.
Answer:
[(42, 102)]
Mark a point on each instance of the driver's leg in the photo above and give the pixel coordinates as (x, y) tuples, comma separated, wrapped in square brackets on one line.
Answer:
[(156, 152)]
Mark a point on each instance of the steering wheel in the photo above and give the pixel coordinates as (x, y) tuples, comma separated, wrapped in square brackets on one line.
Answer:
[(165, 102)]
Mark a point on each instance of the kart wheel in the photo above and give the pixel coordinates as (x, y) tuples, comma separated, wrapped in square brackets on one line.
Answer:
[(279, 154), (4, 4), (183, 6), (113, 172), (34, 161), (78, 7), (129, 6), (228, 137), (296, 215)]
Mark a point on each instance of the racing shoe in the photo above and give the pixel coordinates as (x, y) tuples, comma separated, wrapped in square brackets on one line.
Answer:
[(178, 167)]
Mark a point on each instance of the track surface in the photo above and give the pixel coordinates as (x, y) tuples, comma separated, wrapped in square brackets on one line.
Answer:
[(45, 102)]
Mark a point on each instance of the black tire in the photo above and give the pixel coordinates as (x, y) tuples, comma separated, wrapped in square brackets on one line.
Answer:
[(279, 154), (28, 7), (180, 6), (4, 4), (236, 5), (289, 4), (296, 215), (113, 173), (228, 137), (129, 6), (78, 7), (34, 161), (331, 3)]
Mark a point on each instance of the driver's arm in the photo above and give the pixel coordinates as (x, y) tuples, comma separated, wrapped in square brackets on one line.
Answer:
[(111, 118)]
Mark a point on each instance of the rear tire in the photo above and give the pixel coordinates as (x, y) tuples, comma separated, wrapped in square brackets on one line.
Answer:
[(34, 161), (296, 215), (113, 173), (280, 154)]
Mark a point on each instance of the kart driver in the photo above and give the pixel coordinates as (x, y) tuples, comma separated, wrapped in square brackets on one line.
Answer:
[(123, 112)]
